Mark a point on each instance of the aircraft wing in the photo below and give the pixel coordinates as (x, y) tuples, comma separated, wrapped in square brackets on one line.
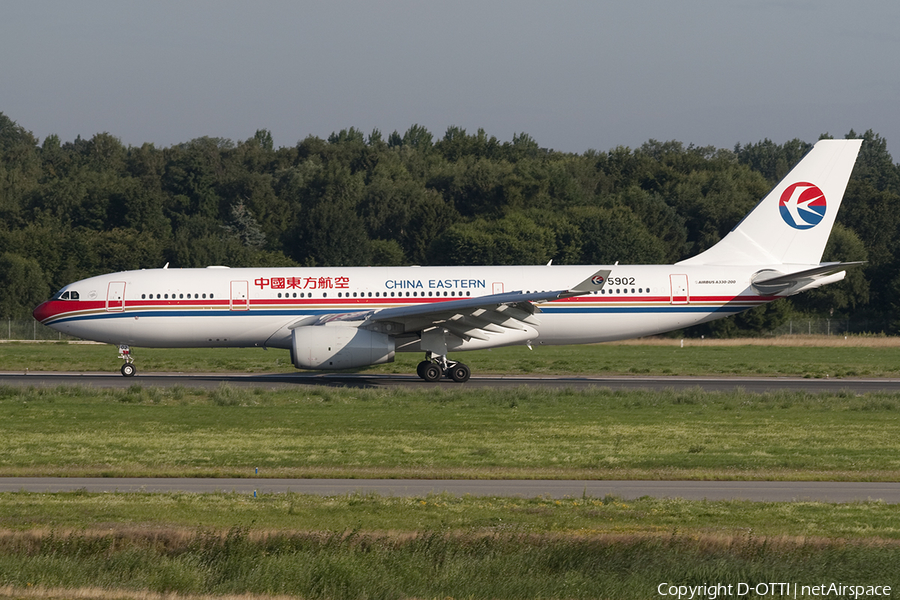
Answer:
[(466, 318)]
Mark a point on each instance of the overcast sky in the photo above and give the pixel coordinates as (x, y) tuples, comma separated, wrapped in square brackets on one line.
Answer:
[(573, 75)]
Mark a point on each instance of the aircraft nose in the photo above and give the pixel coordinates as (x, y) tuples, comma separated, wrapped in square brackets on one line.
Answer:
[(42, 311)]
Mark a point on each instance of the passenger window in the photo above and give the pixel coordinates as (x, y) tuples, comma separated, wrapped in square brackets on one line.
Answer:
[(204, 296), (210, 295)]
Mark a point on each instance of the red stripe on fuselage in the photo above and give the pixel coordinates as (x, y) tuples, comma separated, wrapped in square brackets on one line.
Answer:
[(52, 309)]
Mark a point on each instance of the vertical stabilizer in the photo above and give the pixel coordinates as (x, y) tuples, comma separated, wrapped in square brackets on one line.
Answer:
[(792, 223)]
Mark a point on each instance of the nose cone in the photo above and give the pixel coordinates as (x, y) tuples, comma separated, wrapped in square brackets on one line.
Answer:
[(43, 311)]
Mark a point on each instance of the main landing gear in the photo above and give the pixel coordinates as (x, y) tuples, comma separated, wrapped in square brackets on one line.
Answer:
[(128, 369), (434, 366)]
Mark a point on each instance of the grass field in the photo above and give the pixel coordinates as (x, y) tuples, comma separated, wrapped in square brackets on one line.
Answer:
[(789, 356), (431, 547), (450, 432), (368, 546), (425, 565)]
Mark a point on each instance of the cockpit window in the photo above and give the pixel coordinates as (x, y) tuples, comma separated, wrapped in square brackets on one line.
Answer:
[(67, 295), (73, 295)]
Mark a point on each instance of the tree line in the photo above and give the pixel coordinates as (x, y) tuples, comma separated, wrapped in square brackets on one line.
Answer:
[(70, 210)]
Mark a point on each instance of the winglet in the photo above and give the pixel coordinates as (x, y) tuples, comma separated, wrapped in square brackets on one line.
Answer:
[(594, 283)]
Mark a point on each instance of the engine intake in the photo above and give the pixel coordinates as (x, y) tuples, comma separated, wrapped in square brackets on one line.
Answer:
[(339, 347)]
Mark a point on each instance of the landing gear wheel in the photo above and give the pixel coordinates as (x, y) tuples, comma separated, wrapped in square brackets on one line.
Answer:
[(430, 372), (128, 369), (459, 373), (422, 365)]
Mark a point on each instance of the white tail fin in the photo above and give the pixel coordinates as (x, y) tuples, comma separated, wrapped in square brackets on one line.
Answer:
[(792, 223)]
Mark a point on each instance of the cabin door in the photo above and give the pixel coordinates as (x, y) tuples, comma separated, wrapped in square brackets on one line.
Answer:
[(680, 294), (115, 296), (240, 297)]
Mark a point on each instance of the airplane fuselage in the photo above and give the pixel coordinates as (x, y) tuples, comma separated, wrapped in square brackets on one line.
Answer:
[(256, 306)]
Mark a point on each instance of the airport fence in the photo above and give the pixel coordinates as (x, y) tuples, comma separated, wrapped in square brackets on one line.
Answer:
[(814, 327), (30, 331), (830, 326)]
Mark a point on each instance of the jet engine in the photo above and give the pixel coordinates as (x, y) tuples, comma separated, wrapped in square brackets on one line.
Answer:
[(339, 347)]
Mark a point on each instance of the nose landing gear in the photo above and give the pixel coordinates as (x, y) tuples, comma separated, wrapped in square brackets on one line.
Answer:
[(128, 369)]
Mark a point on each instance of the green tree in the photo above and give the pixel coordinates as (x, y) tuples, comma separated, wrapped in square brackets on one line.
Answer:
[(263, 137), (22, 286), (771, 160), (386, 253), (659, 218), (610, 235), (512, 240), (244, 227), (20, 169), (848, 295)]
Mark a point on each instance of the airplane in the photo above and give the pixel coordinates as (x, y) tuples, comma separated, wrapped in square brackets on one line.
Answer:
[(350, 317)]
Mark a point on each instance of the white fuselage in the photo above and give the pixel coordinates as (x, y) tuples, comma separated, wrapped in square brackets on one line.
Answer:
[(219, 306)]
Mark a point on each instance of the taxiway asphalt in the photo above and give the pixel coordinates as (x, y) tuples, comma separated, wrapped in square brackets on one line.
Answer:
[(759, 491), (289, 380)]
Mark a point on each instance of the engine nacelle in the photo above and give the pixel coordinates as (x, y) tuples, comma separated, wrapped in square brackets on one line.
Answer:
[(339, 347)]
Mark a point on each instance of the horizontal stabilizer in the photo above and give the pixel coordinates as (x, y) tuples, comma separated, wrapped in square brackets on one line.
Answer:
[(773, 282)]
